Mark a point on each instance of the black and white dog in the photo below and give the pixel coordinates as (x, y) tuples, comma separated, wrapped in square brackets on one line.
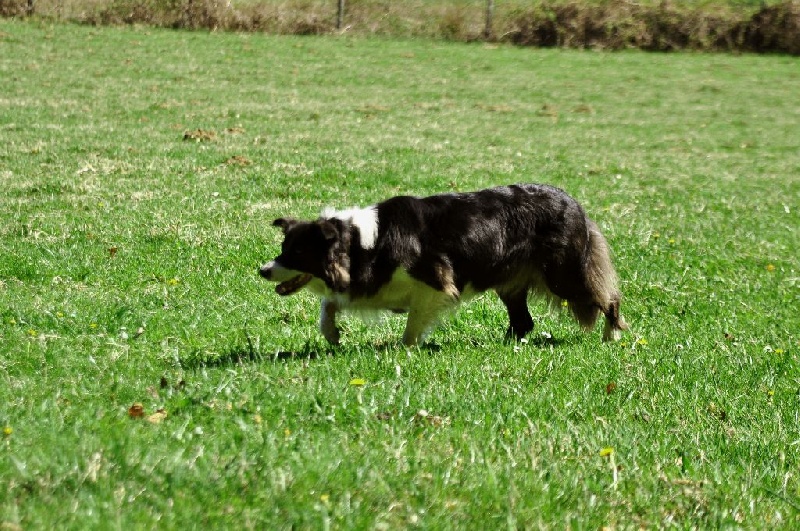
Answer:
[(426, 255)]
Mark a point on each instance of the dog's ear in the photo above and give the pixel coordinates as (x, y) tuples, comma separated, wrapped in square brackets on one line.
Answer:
[(284, 223), (329, 231)]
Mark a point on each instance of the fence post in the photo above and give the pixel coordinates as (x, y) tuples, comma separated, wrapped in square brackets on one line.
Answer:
[(487, 31), (340, 15)]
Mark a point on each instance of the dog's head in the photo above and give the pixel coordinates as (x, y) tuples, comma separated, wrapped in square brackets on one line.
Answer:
[(310, 249)]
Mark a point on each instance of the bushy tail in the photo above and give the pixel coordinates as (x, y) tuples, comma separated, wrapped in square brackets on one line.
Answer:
[(601, 281)]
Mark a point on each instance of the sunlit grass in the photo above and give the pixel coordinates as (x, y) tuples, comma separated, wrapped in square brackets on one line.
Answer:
[(130, 243)]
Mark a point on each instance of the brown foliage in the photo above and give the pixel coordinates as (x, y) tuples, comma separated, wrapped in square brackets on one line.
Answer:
[(774, 28), (614, 25), (13, 8), (619, 24)]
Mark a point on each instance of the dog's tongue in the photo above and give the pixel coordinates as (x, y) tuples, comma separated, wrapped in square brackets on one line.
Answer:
[(293, 284)]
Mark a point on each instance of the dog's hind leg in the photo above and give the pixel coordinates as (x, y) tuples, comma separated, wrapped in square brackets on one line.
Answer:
[(327, 321), (519, 317)]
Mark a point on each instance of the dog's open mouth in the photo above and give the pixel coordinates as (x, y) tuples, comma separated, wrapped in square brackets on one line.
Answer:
[(293, 284)]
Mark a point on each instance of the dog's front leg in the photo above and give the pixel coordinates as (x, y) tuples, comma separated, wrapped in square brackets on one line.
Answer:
[(418, 323), (327, 321)]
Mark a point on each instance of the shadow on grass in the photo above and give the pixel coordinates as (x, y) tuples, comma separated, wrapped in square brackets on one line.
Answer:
[(541, 341), (242, 356), (250, 353)]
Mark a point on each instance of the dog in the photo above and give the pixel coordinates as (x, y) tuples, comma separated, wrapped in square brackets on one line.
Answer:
[(424, 256)]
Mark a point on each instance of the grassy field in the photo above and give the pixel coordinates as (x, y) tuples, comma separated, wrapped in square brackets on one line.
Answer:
[(140, 171)]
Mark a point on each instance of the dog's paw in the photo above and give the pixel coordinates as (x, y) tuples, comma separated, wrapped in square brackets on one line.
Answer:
[(331, 334), (611, 334), (411, 340)]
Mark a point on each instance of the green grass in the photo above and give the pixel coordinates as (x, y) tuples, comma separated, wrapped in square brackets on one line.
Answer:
[(688, 162)]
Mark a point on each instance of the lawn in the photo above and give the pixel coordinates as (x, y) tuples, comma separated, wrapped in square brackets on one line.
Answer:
[(140, 172)]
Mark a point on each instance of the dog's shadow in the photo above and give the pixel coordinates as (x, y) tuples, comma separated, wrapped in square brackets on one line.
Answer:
[(249, 353), (242, 355), (548, 341), (245, 355)]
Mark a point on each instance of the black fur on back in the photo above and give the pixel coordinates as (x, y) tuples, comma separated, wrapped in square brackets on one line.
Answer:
[(484, 237)]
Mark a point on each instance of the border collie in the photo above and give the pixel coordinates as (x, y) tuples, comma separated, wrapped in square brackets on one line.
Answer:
[(426, 255)]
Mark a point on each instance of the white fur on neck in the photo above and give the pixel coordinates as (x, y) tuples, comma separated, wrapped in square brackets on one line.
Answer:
[(364, 219)]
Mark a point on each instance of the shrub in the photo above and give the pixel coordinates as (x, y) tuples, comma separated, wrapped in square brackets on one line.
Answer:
[(14, 8), (619, 24), (774, 28)]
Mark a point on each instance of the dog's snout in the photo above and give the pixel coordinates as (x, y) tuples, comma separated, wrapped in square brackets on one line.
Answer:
[(266, 270)]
